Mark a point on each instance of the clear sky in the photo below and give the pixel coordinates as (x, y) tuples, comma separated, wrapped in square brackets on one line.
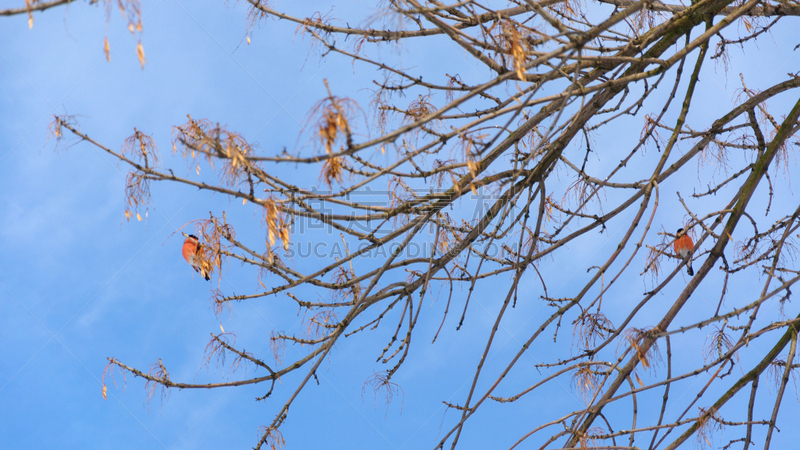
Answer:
[(79, 283)]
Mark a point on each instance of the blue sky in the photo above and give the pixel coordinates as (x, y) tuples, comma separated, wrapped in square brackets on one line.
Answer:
[(78, 283)]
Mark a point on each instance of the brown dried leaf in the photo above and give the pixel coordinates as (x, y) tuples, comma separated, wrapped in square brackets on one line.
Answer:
[(107, 49), (140, 54)]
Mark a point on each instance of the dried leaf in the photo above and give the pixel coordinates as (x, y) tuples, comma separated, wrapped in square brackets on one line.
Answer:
[(221, 329), (104, 392), (248, 40), (138, 217), (244, 201), (106, 49), (472, 166), (284, 235), (332, 170), (140, 54), (30, 21)]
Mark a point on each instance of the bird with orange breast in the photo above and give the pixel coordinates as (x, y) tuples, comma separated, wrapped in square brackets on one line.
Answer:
[(191, 246), (683, 248)]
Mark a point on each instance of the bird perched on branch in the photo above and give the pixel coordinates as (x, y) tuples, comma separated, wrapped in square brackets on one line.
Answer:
[(683, 248), (191, 248)]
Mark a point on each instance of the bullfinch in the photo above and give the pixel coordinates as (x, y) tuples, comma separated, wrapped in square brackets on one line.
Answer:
[(683, 248), (190, 248)]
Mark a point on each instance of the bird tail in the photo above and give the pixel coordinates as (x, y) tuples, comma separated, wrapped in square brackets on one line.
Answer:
[(689, 269), (202, 272)]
